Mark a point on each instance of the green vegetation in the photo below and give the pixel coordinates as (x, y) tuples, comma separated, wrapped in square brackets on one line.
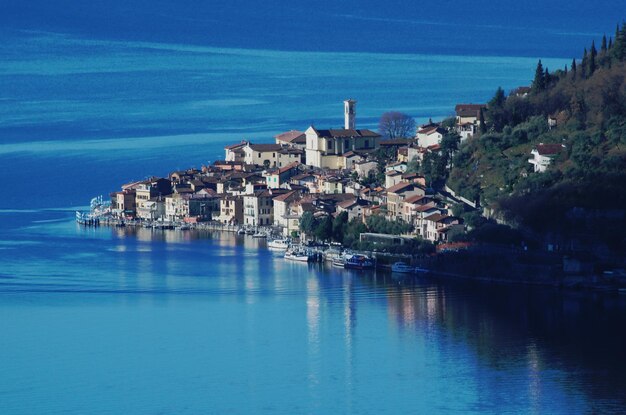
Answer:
[(339, 229), (584, 188)]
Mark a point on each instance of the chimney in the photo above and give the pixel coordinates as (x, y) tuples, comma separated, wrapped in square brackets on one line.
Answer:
[(349, 107)]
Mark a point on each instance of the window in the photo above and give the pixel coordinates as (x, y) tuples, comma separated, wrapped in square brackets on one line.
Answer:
[(367, 143)]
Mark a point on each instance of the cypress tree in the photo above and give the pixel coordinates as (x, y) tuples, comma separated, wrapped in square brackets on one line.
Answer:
[(610, 43), (539, 81), (574, 66), (481, 120), (592, 58), (583, 65), (603, 45), (546, 78)]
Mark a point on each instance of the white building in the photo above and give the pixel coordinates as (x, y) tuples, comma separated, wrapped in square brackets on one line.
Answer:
[(429, 136), (543, 154), (468, 118), (325, 148)]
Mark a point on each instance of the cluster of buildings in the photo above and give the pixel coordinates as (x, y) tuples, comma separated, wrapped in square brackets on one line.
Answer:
[(317, 170)]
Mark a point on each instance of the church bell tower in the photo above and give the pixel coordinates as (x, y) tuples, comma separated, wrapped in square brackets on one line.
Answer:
[(349, 109)]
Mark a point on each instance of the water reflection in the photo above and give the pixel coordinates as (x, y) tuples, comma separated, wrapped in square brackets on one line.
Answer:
[(539, 350)]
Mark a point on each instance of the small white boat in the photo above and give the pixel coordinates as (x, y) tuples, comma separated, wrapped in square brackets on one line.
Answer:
[(184, 227), (298, 256), (419, 270), (241, 231), (402, 267), (339, 263), (259, 235), (278, 244)]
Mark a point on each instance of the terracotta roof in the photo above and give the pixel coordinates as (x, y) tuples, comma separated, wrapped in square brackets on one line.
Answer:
[(293, 136), (347, 203), (437, 217), (469, 110), (424, 208), (285, 196), (288, 167), (234, 146), (350, 153), (414, 198), (400, 187), (265, 147), (548, 149)]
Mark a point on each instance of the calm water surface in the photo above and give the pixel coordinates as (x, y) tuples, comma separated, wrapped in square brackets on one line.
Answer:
[(106, 321), (109, 321)]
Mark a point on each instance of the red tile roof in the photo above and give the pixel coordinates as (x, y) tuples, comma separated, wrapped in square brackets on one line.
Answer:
[(292, 136), (400, 187), (549, 149)]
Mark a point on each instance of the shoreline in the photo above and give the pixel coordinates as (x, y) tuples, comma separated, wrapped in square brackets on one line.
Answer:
[(438, 265)]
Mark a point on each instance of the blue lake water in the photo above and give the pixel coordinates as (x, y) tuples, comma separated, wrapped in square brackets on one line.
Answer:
[(106, 321)]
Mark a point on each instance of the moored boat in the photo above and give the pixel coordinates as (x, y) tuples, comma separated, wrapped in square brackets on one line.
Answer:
[(339, 263), (278, 244), (402, 267), (297, 255), (359, 262), (259, 235)]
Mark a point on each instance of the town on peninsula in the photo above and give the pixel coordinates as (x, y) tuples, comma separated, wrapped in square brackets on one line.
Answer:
[(527, 187)]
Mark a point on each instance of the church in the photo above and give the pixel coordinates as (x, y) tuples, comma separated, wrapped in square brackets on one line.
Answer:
[(328, 148)]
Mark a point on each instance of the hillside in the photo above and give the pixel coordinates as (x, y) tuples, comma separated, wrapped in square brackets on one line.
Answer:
[(582, 194)]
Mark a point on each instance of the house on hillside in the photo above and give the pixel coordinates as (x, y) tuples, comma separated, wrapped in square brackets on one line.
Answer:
[(468, 118), (430, 135), (276, 177), (282, 210), (397, 194), (543, 154), (354, 207)]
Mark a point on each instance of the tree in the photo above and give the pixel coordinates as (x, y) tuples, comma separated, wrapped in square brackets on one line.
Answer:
[(495, 111), (324, 229), (307, 223), (481, 120), (583, 65), (450, 144), (574, 67), (539, 81), (603, 45), (592, 58), (340, 226), (394, 124)]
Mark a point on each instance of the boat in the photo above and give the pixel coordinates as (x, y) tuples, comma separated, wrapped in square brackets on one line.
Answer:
[(419, 270), (297, 255), (241, 231), (402, 267), (359, 262), (259, 235), (278, 244), (249, 232), (184, 227), (339, 263)]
